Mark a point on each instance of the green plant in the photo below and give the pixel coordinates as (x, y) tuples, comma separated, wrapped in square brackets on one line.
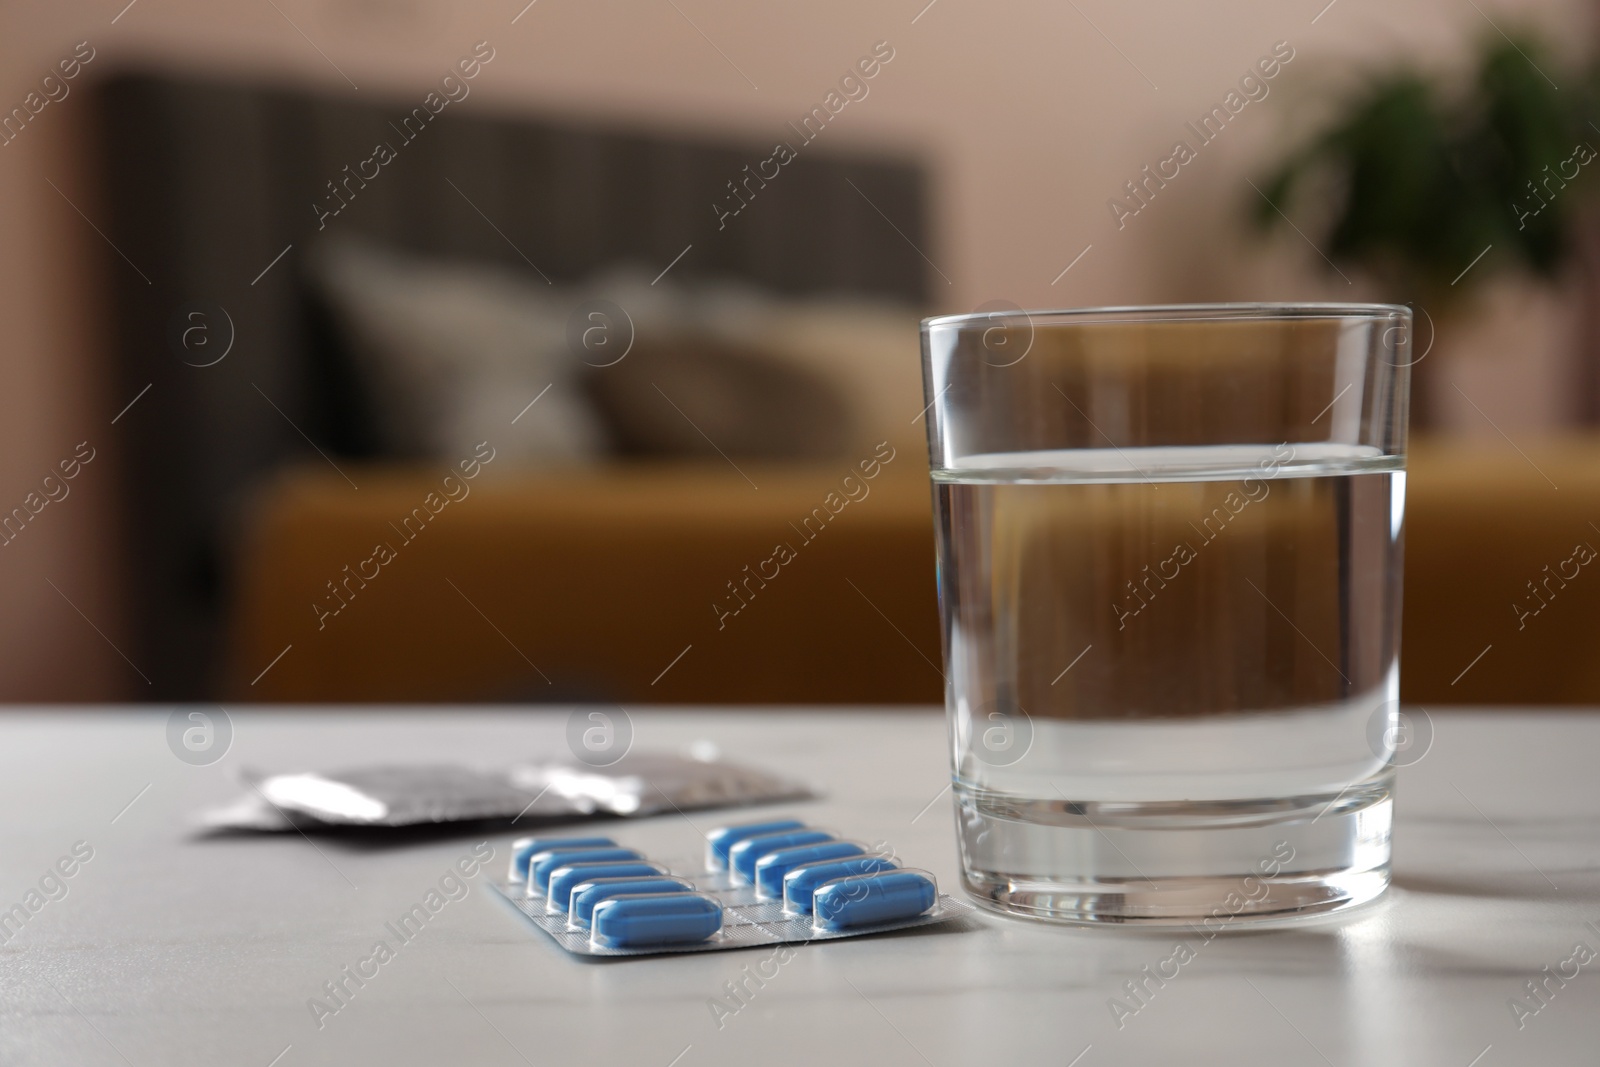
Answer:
[(1424, 175)]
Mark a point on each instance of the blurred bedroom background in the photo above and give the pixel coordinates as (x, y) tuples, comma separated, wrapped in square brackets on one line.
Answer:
[(501, 351)]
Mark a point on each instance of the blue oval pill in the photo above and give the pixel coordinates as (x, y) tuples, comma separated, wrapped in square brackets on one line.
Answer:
[(720, 840), (523, 848), (656, 919), (801, 882), (771, 868), (872, 898), (540, 864), (564, 877), (742, 857), (591, 891)]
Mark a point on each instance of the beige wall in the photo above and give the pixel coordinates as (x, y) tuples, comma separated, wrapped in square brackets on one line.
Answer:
[(1030, 117)]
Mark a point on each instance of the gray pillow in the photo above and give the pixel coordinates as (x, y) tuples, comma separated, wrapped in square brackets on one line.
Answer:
[(453, 352)]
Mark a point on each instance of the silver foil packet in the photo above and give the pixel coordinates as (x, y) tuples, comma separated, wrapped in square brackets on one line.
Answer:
[(641, 783)]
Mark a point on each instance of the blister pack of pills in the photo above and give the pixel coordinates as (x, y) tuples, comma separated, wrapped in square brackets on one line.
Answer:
[(762, 883)]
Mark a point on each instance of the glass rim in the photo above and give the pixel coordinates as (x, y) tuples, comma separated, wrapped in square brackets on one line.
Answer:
[(1154, 313)]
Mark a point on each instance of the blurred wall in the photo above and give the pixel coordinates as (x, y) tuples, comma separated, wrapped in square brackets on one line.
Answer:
[(1031, 115)]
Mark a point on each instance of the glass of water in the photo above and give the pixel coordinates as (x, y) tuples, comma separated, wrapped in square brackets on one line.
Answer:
[(1170, 549)]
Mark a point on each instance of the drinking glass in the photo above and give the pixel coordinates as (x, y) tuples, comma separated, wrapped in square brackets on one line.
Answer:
[(1169, 560)]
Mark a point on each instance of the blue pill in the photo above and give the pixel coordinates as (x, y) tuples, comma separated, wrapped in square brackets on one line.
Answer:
[(872, 898), (523, 849), (771, 868), (801, 883), (742, 857), (564, 877), (724, 838), (654, 920), (587, 894), (542, 863)]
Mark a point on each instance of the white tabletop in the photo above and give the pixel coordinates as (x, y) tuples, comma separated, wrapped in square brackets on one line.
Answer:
[(169, 948)]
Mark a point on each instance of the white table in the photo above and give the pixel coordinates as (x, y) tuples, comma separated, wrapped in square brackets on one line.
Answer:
[(172, 949)]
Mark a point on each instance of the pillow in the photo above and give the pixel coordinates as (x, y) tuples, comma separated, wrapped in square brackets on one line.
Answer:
[(873, 352), (867, 352), (694, 395), (453, 352)]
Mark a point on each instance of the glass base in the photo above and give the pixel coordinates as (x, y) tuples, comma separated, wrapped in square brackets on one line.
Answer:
[(1212, 865)]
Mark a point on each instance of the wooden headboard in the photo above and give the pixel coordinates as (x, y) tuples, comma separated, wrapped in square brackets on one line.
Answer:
[(217, 190)]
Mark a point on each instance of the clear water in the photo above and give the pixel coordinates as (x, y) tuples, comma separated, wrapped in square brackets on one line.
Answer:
[(1187, 654)]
